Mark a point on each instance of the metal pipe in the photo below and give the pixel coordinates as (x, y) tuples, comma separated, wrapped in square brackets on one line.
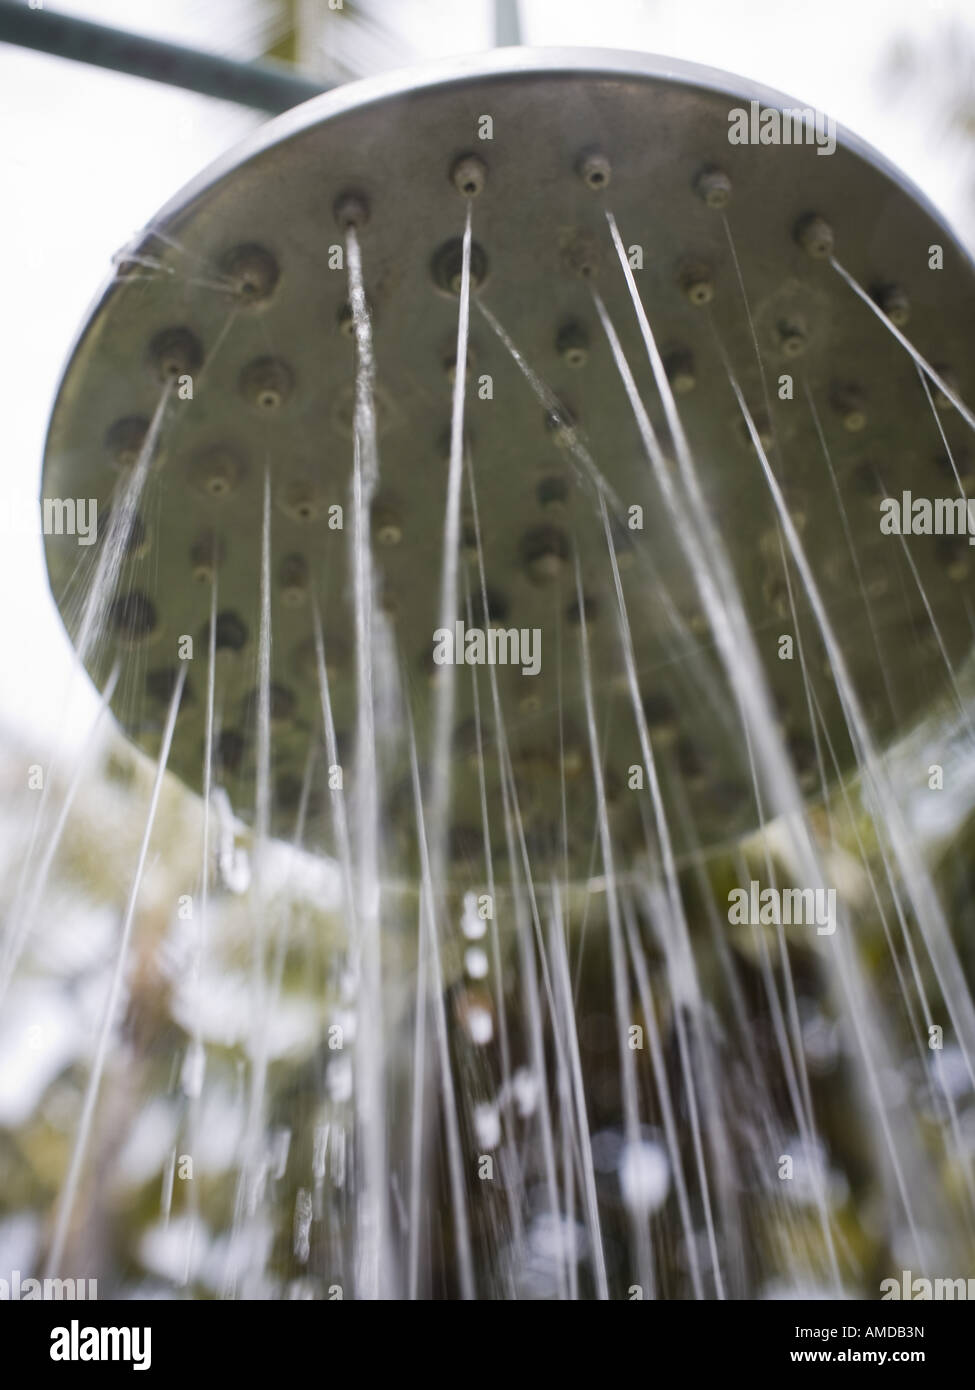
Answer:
[(507, 24), (264, 86)]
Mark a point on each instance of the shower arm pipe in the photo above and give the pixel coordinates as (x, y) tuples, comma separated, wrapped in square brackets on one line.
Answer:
[(507, 24), (263, 86)]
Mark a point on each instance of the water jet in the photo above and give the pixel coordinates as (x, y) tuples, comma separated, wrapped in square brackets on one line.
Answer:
[(319, 502)]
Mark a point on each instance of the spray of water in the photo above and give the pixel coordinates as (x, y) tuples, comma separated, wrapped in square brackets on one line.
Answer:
[(376, 1278), (69, 1190)]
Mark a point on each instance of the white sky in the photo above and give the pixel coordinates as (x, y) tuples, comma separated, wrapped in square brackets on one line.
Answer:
[(87, 157)]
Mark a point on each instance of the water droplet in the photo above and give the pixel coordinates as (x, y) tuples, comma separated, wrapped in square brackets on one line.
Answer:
[(476, 963), (194, 1067), (644, 1176), (471, 924), (525, 1088), (338, 1078), (487, 1125), (480, 1025)]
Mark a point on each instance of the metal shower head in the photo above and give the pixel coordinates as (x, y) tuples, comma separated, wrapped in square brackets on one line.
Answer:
[(240, 285)]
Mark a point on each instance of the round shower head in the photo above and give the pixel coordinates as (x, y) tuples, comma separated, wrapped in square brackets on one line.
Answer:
[(234, 302)]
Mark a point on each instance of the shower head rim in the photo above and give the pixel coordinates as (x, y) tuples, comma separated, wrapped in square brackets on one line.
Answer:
[(526, 62), (514, 62)]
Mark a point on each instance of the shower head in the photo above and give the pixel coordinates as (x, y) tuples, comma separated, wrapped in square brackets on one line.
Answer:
[(235, 302)]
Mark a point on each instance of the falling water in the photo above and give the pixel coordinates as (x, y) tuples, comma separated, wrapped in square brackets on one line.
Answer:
[(499, 1131), (24, 910), (735, 643), (375, 1253), (253, 1142), (194, 1063), (100, 590), (103, 585), (66, 1200), (967, 415)]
